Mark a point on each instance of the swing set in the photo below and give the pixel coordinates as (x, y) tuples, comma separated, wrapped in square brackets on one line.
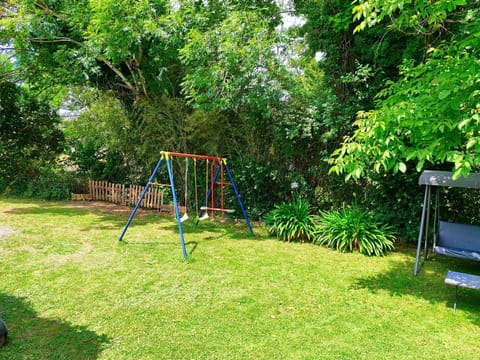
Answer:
[(215, 168)]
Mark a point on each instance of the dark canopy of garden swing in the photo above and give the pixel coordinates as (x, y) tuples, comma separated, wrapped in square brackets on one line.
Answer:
[(449, 239)]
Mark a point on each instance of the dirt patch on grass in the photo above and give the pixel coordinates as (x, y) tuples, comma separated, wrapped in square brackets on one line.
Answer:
[(5, 231), (109, 208), (76, 257)]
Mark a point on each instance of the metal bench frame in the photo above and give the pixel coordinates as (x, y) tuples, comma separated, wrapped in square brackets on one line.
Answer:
[(463, 280), (447, 246)]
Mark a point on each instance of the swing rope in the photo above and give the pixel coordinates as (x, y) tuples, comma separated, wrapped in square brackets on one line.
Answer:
[(205, 214), (196, 185), (185, 215)]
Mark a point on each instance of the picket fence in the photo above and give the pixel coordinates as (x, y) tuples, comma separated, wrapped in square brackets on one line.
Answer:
[(128, 195)]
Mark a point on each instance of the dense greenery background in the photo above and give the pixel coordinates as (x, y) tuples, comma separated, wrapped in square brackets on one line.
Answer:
[(373, 91)]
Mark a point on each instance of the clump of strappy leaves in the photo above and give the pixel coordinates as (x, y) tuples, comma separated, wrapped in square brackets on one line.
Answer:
[(291, 221), (352, 229)]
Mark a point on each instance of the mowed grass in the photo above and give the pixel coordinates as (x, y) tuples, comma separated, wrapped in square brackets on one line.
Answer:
[(69, 290)]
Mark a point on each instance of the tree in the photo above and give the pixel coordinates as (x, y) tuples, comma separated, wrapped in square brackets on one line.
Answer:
[(233, 65), (29, 134), (122, 45), (6, 68), (431, 114)]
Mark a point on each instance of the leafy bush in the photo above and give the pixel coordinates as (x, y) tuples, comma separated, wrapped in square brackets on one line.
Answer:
[(291, 221), (30, 134), (353, 229), (393, 199), (50, 184), (253, 180)]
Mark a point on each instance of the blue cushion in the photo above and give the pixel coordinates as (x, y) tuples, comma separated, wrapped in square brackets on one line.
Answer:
[(465, 238)]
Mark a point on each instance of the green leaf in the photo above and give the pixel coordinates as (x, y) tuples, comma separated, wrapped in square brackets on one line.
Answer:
[(444, 94)]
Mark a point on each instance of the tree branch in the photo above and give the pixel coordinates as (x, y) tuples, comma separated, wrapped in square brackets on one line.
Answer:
[(127, 83)]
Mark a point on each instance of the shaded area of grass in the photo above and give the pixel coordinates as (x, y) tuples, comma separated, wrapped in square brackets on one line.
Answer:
[(399, 282), (34, 337), (237, 297)]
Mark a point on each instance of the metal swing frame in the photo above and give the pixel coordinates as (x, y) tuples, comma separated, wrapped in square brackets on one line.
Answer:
[(220, 166), (449, 239)]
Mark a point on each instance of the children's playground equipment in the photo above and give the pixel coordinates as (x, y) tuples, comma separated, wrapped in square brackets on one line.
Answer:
[(218, 167)]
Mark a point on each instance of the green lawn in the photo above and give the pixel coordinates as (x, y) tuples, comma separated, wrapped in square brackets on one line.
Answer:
[(69, 290)]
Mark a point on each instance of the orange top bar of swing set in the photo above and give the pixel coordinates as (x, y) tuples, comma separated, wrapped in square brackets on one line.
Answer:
[(194, 156)]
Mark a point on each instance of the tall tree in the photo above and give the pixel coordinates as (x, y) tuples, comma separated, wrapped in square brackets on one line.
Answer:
[(29, 134), (431, 114), (122, 45)]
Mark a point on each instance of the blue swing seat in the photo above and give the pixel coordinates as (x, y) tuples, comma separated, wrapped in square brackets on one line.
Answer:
[(458, 240)]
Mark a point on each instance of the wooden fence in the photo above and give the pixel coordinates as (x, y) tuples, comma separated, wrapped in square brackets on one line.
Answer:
[(128, 195)]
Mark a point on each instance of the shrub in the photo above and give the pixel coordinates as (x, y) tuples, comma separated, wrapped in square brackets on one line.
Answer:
[(291, 221), (30, 134), (252, 180), (390, 197), (353, 229), (50, 184)]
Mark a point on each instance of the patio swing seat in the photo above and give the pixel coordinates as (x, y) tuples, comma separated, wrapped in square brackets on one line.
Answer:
[(458, 240), (449, 239)]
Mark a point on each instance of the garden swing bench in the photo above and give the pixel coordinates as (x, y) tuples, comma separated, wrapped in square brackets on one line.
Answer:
[(449, 239)]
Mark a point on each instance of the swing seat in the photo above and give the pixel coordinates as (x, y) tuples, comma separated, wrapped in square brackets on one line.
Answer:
[(204, 216), (458, 240), (184, 218), (230, 211)]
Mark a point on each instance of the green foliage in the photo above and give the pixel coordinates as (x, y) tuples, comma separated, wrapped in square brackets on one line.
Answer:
[(429, 116), (460, 205), (97, 137), (115, 142), (420, 16), (350, 229), (6, 67), (312, 120), (392, 199), (345, 56), (50, 184), (260, 186), (30, 136), (131, 47), (124, 45), (243, 95), (217, 77), (291, 221), (233, 65)]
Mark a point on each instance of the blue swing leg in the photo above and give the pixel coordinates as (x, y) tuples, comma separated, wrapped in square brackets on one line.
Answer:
[(137, 205), (177, 213), (238, 198)]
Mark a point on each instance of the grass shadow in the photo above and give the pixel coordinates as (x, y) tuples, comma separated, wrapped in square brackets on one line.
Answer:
[(108, 220), (235, 231), (192, 245), (33, 337), (53, 209), (429, 284)]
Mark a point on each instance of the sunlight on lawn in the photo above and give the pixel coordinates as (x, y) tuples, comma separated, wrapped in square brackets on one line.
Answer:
[(69, 290)]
